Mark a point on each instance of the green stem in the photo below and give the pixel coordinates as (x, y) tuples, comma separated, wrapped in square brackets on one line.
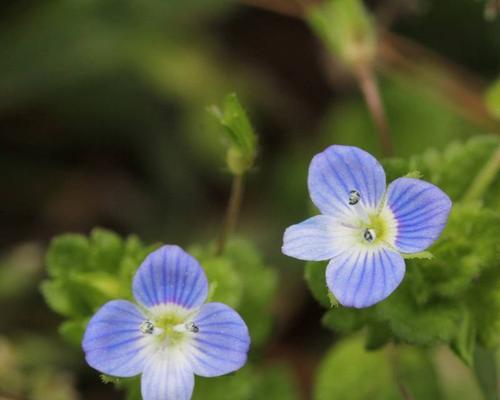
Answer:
[(484, 178), (233, 210)]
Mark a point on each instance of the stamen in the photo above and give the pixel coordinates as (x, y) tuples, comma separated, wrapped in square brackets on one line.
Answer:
[(369, 235), (148, 328), (354, 197), (187, 327), (354, 201)]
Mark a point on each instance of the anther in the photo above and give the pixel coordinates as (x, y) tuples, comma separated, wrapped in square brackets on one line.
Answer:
[(192, 327), (369, 235), (147, 327), (354, 197)]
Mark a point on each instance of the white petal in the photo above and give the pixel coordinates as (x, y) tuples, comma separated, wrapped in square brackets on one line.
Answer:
[(167, 376), (365, 276), (319, 238)]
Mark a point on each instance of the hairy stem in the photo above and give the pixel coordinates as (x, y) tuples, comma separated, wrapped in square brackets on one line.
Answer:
[(484, 178), (368, 85), (233, 210)]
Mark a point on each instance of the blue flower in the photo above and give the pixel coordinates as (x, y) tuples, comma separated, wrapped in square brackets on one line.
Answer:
[(171, 334), (364, 227)]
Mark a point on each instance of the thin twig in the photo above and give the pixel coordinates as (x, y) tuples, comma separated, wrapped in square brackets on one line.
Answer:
[(233, 210), (368, 84)]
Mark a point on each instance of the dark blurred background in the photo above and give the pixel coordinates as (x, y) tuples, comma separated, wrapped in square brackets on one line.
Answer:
[(103, 122)]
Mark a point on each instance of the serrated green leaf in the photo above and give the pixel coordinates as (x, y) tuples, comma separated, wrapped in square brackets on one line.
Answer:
[(226, 285), (250, 283), (67, 253), (419, 324), (106, 250), (62, 298)]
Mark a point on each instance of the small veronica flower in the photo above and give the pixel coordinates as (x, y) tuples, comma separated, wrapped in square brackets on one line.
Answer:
[(171, 335), (364, 227)]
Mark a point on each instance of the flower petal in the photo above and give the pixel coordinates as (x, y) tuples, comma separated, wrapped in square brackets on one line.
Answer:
[(421, 211), (337, 171), (170, 275), (113, 342), (317, 238), (167, 376), (365, 276), (222, 342)]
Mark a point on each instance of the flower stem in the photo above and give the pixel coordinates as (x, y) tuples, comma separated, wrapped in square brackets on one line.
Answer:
[(368, 84), (233, 210), (484, 178)]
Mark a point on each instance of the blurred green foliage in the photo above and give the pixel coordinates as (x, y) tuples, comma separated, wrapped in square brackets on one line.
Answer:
[(104, 108), (375, 375), (493, 99)]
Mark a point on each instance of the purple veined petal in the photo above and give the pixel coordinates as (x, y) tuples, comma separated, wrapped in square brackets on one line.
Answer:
[(167, 376), (113, 342), (221, 344), (318, 238), (170, 275), (337, 171), (421, 211), (365, 276)]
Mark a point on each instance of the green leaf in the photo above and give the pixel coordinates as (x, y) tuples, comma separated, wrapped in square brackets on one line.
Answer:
[(316, 281), (241, 277), (73, 330), (419, 324), (67, 253), (241, 138), (62, 298), (464, 343), (226, 285), (344, 320), (106, 250)]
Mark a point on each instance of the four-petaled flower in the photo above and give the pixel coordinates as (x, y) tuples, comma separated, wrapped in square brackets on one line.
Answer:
[(171, 335), (364, 227)]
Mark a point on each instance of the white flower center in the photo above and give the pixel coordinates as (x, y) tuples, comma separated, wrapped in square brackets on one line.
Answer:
[(373, 226), (169, 325)]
